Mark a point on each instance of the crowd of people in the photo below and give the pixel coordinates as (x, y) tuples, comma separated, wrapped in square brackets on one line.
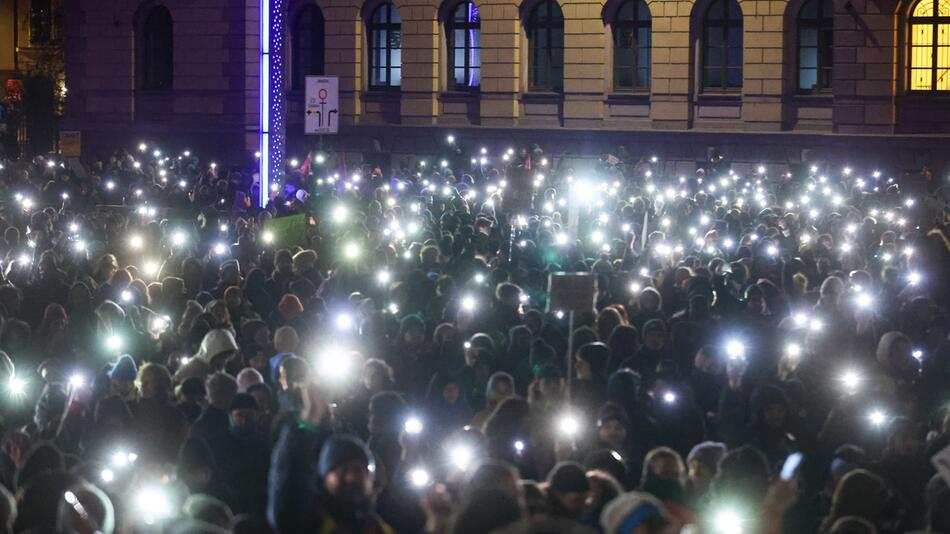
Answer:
[(764, 349)]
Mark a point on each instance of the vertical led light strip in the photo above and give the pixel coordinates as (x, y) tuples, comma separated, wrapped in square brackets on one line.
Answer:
[(271, 95)]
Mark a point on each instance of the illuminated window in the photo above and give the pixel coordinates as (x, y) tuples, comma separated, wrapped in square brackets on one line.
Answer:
[(463, 34), (545, 29), (307, 40), (156, 50), (815, 53), (632, 30), (929, 65), (722, 46), (385, 47)]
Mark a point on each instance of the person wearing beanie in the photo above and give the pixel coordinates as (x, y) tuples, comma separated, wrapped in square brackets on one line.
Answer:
[(122, 378), (635, 513), (244, 456), (289, 308), (703, 465), (336, 496), (247, 378), (568, 489)]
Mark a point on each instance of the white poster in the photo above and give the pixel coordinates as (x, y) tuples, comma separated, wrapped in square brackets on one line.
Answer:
[(322, 105)]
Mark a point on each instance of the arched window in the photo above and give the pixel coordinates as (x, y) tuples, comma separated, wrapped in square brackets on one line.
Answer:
[(156, 50), (816, 23), (929, 65), (41, 21), (722, 46), (307, 41), (545, 29), (632, 30), (385, 47), (464, 37)]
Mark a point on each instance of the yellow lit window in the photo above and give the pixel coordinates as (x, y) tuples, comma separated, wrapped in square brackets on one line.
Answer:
[(929, 53)]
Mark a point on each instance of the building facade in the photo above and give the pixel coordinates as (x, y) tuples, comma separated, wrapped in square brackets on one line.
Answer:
[(806, 72), (32, 83)]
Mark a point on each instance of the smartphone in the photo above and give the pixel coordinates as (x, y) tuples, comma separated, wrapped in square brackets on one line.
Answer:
[(792, 463)]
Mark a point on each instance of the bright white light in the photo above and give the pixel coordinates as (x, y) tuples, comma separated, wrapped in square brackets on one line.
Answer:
[(815, 325), (793, 350), (469, 303), (125, 295), (413, 426), (106, 475), (136, 241), (151, 268), (461, 456), (877, 417), (850, 380), (17, 386), (113, 342), (383, 277), (917, 354), (864, 301), (735, 349), (153, 505), (340, 214), (727, 522), (419, 477), (351, 251), (669, 397), (220, 249), (761, 169), (519, 446), (568, 425), (344, 321), (77, 381), (450, 139)]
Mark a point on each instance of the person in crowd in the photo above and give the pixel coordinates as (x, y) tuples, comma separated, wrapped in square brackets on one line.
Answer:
[(374, 347)]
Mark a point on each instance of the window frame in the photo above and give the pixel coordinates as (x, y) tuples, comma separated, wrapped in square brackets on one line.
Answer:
[(41, 18), (819, 23), (298, 75), (726, 24), (372, 33), (451, 26), (549, 25), (635, 24), (934, 21), (148, 52)]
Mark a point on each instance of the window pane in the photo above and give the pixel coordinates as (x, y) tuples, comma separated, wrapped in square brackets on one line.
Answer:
[(395, 76), (712, 78), (735, 57), (643, 11), (920, 79), (807, 79), (643, 77), (943, 8), (714, 57), (735, 77), (808, 58), (943, 79), (808, 37), (623, 77)]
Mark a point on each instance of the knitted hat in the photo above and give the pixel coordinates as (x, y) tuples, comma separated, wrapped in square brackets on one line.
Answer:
[(124, 370), (247, 378), (627, 512), (290, 306), (568, 477), (340, 449), (707, 453)]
